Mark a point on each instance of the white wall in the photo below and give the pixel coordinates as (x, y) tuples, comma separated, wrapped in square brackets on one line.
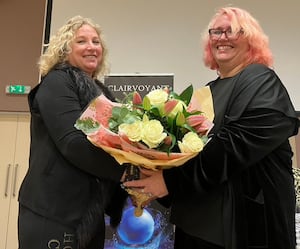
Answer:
[(163, 36)]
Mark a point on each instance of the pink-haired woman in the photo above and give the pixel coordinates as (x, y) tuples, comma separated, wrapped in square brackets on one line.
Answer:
[(239, 191)]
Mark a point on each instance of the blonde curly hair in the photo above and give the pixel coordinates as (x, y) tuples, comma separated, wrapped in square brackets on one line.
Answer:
[(59, 46)]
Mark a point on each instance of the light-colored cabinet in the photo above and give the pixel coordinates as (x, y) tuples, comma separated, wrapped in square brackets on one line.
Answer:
[(14, 153)]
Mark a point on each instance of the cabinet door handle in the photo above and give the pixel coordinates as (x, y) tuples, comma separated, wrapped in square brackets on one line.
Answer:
[(7, 177), (15, 180)]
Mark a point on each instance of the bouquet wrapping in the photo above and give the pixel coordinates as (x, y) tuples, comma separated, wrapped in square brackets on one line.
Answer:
[(160, 131), (94, 122)]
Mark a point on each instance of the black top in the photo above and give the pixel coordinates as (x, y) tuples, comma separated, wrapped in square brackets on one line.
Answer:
[(66, 172), (239, 191)]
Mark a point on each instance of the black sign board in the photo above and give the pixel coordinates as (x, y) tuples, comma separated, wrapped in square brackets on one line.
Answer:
[(122, 84)]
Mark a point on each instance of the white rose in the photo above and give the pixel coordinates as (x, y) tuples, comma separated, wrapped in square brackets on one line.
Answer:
[(157, 97), (191, 143), (132, 131), (153, 133)]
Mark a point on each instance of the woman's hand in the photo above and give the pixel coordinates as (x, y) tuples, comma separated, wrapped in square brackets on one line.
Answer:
[(151, 182)]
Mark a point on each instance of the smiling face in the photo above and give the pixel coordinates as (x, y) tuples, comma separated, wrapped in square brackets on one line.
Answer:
[(229, 52), (86, 50)]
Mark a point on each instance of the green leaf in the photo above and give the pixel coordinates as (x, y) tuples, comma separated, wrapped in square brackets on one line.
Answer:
[(113, 125), (174, 141), (180, 119), (204, 139), (155, 111), (87, 125), (187, 94), (146, 103), (116, 112), (188, 127), (174, 95), (130, 118), (123, 113), (171, 125), (168, 147)]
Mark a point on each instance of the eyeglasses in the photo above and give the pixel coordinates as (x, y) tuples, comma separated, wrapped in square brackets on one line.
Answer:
[(215, 34)]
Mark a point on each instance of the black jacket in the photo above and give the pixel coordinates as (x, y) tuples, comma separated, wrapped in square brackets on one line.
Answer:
[(239, 191), (68, 177)]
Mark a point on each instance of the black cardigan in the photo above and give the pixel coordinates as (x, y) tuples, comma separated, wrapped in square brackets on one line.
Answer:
[(68, 177), (239, 191)]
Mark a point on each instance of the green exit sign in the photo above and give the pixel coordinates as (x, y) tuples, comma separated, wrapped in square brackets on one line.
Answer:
[(17, 89)]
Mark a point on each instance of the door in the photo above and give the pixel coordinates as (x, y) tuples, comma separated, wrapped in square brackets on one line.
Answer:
[(14, 148)]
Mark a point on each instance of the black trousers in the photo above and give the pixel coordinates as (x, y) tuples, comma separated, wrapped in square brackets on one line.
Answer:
[(186, 241), (38, 232)]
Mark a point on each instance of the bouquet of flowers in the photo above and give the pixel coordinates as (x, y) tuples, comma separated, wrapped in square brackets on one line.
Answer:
[(161, 130)]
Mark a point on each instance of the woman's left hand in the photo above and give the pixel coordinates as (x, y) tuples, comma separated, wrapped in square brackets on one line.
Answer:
[(151, 182)]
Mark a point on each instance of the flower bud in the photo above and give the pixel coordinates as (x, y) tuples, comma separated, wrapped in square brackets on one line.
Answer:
[(169, 106), (176, 106), (195, 120), (200, 123), (168, 140), (180, 119), (204, 127), (137, 99)]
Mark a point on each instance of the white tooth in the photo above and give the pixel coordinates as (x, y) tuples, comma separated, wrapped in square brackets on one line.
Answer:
[(223, 47)]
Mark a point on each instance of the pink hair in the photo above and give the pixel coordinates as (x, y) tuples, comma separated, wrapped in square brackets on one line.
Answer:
[(259, 51)]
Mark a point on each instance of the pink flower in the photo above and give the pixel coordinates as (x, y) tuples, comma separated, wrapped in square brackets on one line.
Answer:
[(137, 99), (169, 106), (168, 140), (195, 120), (200, 123)]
